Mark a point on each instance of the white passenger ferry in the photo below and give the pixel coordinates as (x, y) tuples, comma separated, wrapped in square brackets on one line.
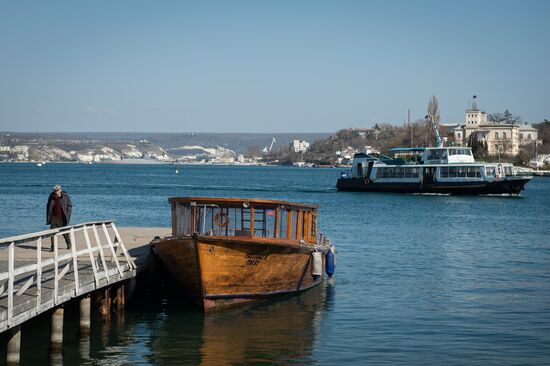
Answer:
[(446, 170)]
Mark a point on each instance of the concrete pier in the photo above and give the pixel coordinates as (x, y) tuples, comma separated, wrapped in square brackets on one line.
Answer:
[(85, 310), (13, 349), (98, 272), (56, 338)]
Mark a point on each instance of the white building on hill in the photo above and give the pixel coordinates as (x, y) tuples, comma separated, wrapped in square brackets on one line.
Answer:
[(502, 138), (299, 146)]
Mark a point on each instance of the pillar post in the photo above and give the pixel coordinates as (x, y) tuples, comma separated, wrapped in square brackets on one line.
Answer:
[(85, 315), (131, 287), (120, 299), (56, 341), (13, 349), (105, 308)]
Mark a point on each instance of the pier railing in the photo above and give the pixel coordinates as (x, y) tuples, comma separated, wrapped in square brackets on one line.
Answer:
[(35, 278)]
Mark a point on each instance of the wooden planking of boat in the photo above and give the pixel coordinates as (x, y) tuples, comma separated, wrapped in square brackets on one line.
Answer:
[(229, 251)]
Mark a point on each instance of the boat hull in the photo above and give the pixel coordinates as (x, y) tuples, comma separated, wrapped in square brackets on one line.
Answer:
[(218, 272), (510, 185)]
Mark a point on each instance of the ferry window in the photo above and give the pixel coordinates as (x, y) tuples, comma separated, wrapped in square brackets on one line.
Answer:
[(490, 170), (437, 154), (380, 173), (462, 171), (453, 172), (444, 172), (473, 172), (411, 173)]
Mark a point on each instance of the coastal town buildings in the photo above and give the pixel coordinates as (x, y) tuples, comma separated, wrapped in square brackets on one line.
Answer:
[(501, 138), (299, 146)]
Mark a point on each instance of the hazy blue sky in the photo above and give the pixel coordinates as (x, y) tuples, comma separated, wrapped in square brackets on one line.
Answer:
[(266, 66)]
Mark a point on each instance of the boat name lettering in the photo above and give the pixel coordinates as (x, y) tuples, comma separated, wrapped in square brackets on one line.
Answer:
[(254, 259)]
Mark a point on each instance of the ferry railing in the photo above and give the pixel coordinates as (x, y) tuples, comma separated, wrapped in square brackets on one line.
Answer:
[(34, 283)]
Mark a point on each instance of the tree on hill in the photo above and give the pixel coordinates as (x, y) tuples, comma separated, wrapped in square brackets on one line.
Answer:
[(505, 117), (479, 147)]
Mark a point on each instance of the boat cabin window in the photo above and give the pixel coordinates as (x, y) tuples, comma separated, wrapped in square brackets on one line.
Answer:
[(455, 151), (244, 218), (437, 154), (397, 172), (460, 172), (408, 155), (490, 170)]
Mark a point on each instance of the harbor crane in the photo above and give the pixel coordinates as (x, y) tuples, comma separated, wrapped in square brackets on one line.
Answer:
[(266, 149)]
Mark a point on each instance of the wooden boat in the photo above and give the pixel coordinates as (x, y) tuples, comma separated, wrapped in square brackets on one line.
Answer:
[(228, 251)]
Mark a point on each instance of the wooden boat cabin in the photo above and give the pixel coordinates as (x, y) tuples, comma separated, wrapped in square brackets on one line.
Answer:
[(252, 218)]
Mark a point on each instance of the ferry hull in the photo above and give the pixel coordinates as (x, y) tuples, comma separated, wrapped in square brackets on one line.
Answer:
[(512, 186), (219, 272)]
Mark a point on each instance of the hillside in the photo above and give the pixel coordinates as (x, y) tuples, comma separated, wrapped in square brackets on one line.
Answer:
[(238, 142)]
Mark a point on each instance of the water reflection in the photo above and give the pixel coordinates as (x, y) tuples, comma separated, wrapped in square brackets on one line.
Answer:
[(283, 330)]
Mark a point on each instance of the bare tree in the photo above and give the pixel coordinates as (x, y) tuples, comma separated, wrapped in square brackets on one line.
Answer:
[(433, 114), (433, 109)]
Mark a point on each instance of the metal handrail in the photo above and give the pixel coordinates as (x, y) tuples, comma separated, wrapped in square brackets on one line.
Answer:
[(29, 274)]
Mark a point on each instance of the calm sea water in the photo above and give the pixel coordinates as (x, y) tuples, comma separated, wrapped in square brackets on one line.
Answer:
[(419, 279)]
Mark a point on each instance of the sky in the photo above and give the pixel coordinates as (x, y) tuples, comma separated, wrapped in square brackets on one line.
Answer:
[(266, 66)]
